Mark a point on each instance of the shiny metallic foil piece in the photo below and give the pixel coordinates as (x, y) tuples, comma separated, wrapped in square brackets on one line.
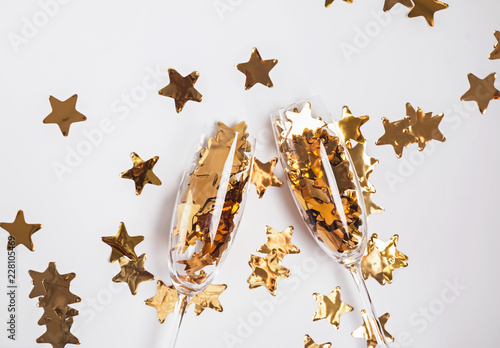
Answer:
[(279, 241), (496, 52), (263, 176), (20, 231), (309, 343), (257, 70), (366, 331), (267, 271), (122, 244), (426, 9), (331, 307), (141, 172), (482, 91), (133, 273), (390, 4), (181, 89), (64, 113)]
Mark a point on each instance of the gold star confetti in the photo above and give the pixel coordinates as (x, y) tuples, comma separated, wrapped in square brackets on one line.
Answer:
[(350, 126), (279, 241), (303, 120), (382, 258), (370, 207), (331, 307), (66, 311), (209, 298), (364, 166), (64, 113), (329, 2), (267, 271), (496, 52), (309, 343), (141, 172), (49, 274), (397, 134), (181, 89), (164, 300), (257, 70), (390, 4), (133, 273), (263, 176), (482, 91), (58, 330), (366, 331), (425, 128), (122, 244), (427, 8), (57, 294), (20, 231)]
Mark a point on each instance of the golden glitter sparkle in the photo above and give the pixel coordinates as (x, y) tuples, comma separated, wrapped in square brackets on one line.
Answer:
[(122, 244), (64, 113), (331, 307), (257, 70), (181, 89), (20, 231), (263, 176), (482, 91), (141, 172)]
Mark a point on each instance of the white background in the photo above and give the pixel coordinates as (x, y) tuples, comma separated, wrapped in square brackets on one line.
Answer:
[(442, 202)]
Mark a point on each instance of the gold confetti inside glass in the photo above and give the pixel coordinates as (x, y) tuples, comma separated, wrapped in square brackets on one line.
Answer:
[(209, 207), (325, 188)]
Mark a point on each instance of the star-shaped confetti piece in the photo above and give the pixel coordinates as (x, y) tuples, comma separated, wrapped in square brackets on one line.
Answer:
[(209, 298), (309, 343), (427, 8), (370, 207), (133, 273), (20, 231), (350, 126), (141, 172), (48, 275), (364, 166), (164, 300), (331, 307), (58, 330), (267, 271), (263, 176), (390, 4), (425, 128), (382, 258), (366, 331), (57, 294), (181, 89), (397, 134), (279, 241), (482, 91), (496, 52), (257, 70), (122, 244), (64, 113), (303, 120)]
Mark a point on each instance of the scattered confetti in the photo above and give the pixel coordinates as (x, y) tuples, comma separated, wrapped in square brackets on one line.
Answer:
[(267, 271), (133, 273), (141, 172), (122, 244), (366, 331), (257, 70), (279, 241), (20, 231), (331, 307), (389, 4), (309, 343), (181, 89), (64, 113), (209, 298), (426, 9), (350, 127), (482, 91), (263, 176), (496, 52), (164, 300)]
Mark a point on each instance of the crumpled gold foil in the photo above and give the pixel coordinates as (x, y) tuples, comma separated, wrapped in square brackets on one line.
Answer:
[(426, 9), (496, 52), (267, 271), (257, 70), (58, 332), (263, 176), (21, 231), (122, 244), (141, 172), (350, 127), (209, 298), (331, 307), (482, 91), (309, 343), (397, 134), (64, 113), (133, 273), (366, 331), (279, 241), (181, 89)]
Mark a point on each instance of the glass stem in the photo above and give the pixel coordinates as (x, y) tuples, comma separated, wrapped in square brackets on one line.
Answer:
[(376, 328), (180, 309)]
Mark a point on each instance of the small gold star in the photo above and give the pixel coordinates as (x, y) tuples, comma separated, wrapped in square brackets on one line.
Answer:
[(122, 244), (427, 8), (364, 165), (482, 91), (329, 2), (370, 207), (496, 52), (133, 273), (366, 331), (425, 128), (390, 4), (58, 330), (331, 307), (141, 172), (64, 113), (257, 70), (181, 89), (49, 274), (350, 126), (267, 271), (279, 241), (309, 343), (263, 176), (209, 298), (164, 300), (21, 231), (300, 121), (397, 134)]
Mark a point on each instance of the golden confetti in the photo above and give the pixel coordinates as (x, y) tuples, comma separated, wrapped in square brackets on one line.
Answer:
[(426, 9), (331, 307), (366, 331), (390, 4), (364, 166), (301, 121), (267, 271), (133, 273), (496, 52), (141, 172), (425, 127), (122, 244), (181, 89), (164, 300), (64, 113), (57, 294), (309, 343), (482, 91), (20, 231), (350, 126), (397, 134), (381, 259), (279, 241), (263, 176), (329, 2), (209, 298), (370, 207), (58, 330), (49, 274), (257, 70)]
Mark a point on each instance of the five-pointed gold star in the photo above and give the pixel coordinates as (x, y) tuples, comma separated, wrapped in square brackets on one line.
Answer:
[(122, 244), (364, 166), (64, 113), (370, 206), (331, 307), (133, 273), (397, 134), (390, 4), (57, 294), (49, 274), (496, 52), (427, 8), (164, 300), (482, 91), (425, 128), (382, 258), (267, 271), (309, 343), (141, 172), (58, 330), (350, 126), (209, 298), (279, 241), (366, 331), (263, 176), (329, 2), (302, 120), (181, 89), (257, 70), (20, 231)]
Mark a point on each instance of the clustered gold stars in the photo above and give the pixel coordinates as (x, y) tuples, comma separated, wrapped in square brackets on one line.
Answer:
[(268, 270), (55, 297)]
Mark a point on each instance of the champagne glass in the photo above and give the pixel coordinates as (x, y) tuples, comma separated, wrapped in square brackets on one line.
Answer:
[(325, 188), (209, 206)]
